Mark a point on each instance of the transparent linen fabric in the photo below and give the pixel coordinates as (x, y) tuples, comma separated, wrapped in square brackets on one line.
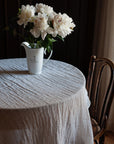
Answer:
[(50, 108)]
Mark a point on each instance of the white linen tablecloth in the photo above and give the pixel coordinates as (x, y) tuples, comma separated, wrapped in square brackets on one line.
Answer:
[(50, 108)]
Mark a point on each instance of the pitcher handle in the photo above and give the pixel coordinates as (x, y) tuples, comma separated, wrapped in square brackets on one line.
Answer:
[(48, 57)]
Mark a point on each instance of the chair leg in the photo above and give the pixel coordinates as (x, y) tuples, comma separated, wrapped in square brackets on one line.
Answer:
[(96, 142), (101, 140)]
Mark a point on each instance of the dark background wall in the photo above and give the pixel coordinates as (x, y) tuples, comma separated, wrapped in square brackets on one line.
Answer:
[(77, 47)]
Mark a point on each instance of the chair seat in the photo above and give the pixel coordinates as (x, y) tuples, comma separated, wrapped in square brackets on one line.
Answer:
[(95, 126)]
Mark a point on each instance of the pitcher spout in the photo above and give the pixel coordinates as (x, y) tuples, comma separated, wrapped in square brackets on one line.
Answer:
[(25, 44)]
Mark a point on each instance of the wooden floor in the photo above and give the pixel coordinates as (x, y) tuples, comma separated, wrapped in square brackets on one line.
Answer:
[(109, 138)]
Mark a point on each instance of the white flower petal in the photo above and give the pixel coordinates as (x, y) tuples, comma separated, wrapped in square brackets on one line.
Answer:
[(35, 32), (43, 35)]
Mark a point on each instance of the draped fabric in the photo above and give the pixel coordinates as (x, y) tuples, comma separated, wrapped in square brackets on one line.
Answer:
[(103, 45), (50, 108)]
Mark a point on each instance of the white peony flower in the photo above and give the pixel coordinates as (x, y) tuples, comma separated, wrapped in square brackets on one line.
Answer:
[(51, 31), (63, 24), (40, 26), (27, 12), (45, 9), (42, 8)]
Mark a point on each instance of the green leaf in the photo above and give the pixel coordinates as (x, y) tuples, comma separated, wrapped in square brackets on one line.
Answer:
[(31, 44), (19, 12), (39, 43), (36, 46), (60, 38), (48, 48), (52, 40)]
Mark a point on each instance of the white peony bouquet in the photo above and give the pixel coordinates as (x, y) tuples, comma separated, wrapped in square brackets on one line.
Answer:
[(42, 25)]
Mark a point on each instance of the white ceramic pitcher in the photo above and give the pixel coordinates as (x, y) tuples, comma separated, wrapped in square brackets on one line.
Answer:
[(34, 58)]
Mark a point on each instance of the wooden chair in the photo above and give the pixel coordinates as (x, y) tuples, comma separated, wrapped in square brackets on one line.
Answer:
[(99, 111)]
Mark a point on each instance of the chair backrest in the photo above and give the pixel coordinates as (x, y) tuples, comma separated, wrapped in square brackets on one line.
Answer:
[(95, 82)]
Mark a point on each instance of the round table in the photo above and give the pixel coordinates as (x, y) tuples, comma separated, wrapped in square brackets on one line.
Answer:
[(50, 108)]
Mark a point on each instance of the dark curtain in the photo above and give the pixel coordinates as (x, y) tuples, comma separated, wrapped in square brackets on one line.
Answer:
[(77, 47)]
